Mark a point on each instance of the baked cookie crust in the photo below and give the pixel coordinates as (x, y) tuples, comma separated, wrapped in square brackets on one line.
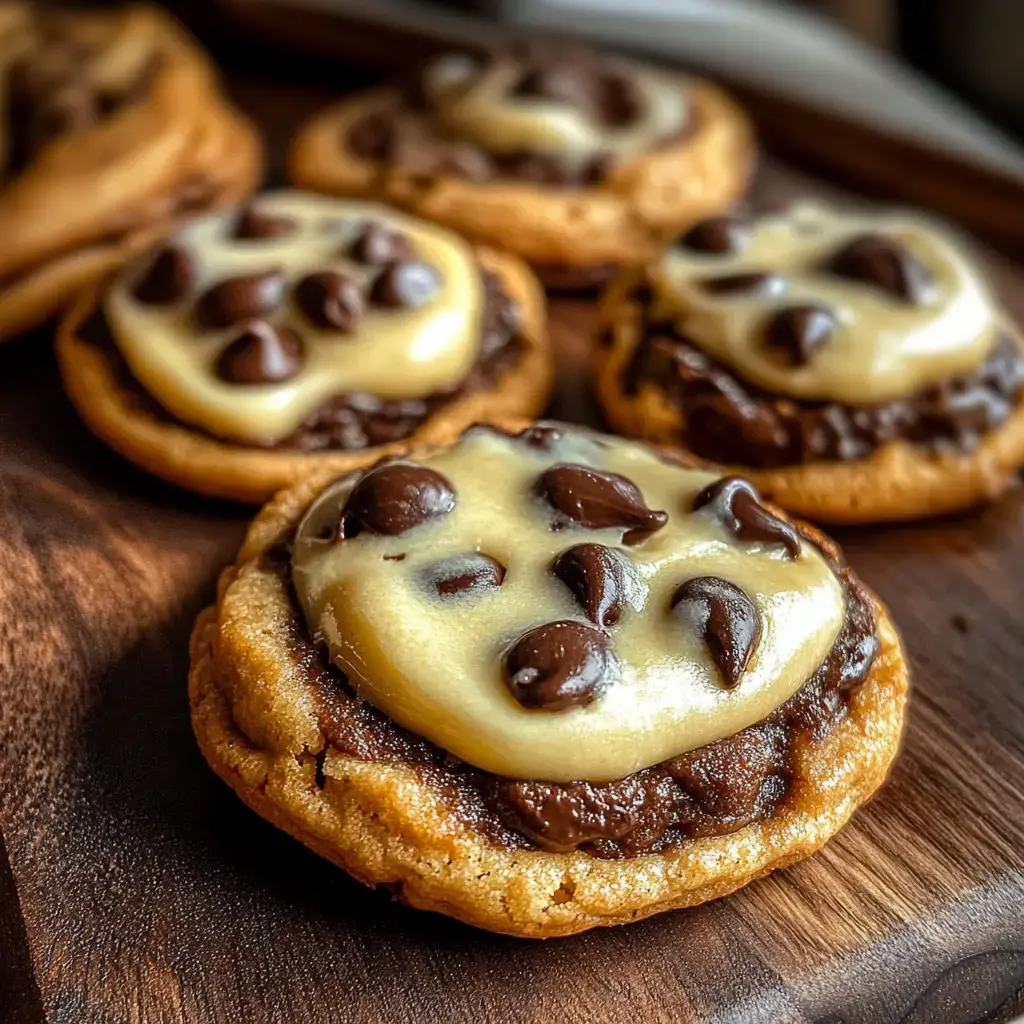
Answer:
[(254, 717), (642, 202), (201, 463), (898, 481), (89, 200)]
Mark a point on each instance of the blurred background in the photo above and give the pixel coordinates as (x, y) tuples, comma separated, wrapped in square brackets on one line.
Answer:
[(937, 72)]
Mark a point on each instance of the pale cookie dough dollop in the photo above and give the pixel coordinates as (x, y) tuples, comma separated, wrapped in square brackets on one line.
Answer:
[(244, 324), (584, 106), (822, 305), (561, 605)]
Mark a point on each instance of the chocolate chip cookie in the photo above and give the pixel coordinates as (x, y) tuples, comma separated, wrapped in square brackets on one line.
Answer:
[(115, 130), (577, 161), (541, 679), (855, 366), (255, 345)]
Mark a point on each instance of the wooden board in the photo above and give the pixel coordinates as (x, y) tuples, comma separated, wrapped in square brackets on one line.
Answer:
[(134, 887)]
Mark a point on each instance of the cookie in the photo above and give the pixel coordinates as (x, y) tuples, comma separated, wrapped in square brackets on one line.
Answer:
[(543, 680), (115, 130), (576, 161), (254, 346), (855, 366)]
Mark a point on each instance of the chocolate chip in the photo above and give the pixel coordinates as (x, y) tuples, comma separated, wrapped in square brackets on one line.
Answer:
[(751, 283), (797, 332), (563, 83), (596, 500), (467, 162), (254, 223), (725, 619), (885, 264), (735, 503), (71, 108), (394, 498), (261, 354), (719, 235), (240, 298), (463, 574), (167, 279), (405, 285), (618, 101), (374, 136), (596, 576), (378, 244), (559, 665), (599, 167), (542, 436), (331, 300)]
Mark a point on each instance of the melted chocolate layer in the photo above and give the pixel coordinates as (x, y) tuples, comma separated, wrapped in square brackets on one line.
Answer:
[(728, 420), (357, 420), (714, 790)]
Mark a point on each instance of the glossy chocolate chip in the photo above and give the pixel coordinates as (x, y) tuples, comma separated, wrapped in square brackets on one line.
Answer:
[(751, 283), (565, 83), (378, 244), (542, 436), (405, 285), (883, 263), (724, 618), (394, 498), (597, 577), (467, 162), (261, 354), (559, 665), (598, 500), (718, 235), (167, 279), (797, 332), (331, 300), (254, 223), (240, 298), (618, 100), (465, 574), (736, 504)]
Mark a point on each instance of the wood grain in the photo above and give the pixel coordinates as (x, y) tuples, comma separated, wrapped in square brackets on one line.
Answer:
[(134, 887)]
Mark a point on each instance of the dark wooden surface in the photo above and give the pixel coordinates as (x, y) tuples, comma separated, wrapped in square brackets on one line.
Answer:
[(134, 887)]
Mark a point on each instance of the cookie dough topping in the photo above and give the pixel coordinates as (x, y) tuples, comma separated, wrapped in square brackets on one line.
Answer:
[(821, 305), (246, 323), (564, 101), (559, 605)]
